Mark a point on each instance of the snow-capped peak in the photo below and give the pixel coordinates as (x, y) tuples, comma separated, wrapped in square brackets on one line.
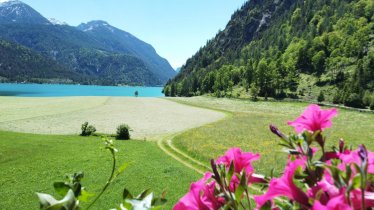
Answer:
[(9, 2), (54, 21), (95, 24), (15, 11)]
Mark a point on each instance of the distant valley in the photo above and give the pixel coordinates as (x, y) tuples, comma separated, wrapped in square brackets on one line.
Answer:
[(35, 49)]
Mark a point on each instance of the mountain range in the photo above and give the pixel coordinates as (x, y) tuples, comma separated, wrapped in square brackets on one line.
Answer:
[(91, 53), (306, 49)]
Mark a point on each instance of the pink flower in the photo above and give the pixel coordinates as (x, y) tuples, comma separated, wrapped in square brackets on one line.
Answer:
[(313, 119), (242, 160), (284, 186), (356, 200), (323, 190), (354, 157), (200, 197), (336, 203)]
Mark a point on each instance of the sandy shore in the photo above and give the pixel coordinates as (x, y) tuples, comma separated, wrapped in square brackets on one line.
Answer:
[(148, 117)]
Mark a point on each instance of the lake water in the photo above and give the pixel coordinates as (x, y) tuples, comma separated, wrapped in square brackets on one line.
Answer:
[(53, 90)]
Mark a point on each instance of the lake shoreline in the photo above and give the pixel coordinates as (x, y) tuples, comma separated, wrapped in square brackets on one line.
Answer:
[(62, 90)]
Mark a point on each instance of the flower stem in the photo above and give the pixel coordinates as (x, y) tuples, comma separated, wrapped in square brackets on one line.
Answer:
[(107, 183), (249, 201)]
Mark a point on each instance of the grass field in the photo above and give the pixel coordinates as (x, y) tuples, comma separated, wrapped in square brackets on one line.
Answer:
[(30, 163), (148, 117), (247, 127)]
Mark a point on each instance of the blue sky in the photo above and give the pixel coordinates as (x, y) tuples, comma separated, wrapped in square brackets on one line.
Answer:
[(175, 28)]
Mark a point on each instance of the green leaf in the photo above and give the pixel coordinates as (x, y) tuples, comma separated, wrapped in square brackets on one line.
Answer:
[(122, 168), (144, 194), (61, 188), (126, 194), (159, 202), (356, 182), (241, 188), (78, 176), (231, 171), (305, 146), (85, 195)]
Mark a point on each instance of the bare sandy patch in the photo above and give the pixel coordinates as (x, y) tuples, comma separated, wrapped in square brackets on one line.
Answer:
[(148, 117)]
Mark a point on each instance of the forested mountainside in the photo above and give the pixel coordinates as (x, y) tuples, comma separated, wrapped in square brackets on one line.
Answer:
[(18, 63), (86, 51), (288, 48), (121, 41)]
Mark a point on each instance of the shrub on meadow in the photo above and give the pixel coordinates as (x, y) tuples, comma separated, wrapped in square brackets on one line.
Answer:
[(87, 130), (321, 97), (123, 132)]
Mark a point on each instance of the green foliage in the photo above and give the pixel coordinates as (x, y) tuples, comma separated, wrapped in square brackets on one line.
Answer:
[(19, 63), (74, 193), (123, 132), (372, 105), (326, 39), (254, 92), (354, 100), (321, 97), (87, 130)]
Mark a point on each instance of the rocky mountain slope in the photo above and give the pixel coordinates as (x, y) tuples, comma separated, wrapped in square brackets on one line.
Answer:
[(88, 50)]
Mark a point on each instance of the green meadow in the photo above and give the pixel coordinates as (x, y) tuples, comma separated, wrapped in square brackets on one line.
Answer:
[(30, 163), (247, 126)]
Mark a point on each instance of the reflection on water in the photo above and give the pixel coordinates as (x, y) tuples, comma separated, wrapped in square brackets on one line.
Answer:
[(15, 93)]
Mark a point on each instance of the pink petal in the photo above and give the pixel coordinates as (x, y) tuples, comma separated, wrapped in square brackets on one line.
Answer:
[(336, 203), (284, 186), (313, 119)]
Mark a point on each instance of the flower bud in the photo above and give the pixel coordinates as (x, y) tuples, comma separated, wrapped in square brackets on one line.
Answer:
[(341, 145), (362, 152), (215, 171), (277, 132)]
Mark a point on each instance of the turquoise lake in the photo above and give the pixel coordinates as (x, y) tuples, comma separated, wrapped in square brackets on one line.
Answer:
[(53, 90)]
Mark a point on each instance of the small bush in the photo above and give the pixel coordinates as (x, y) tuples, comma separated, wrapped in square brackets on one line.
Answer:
[(337, 98), (321, 97), (123, 132), (87, 130), (354, 100)]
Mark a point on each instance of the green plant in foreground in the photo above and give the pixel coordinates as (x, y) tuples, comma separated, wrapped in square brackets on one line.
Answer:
[(87, 130), (123, 132), (74, 193)]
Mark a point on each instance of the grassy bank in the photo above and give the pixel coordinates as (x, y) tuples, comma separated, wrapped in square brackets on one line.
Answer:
[(31, 163), (247, 127)]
